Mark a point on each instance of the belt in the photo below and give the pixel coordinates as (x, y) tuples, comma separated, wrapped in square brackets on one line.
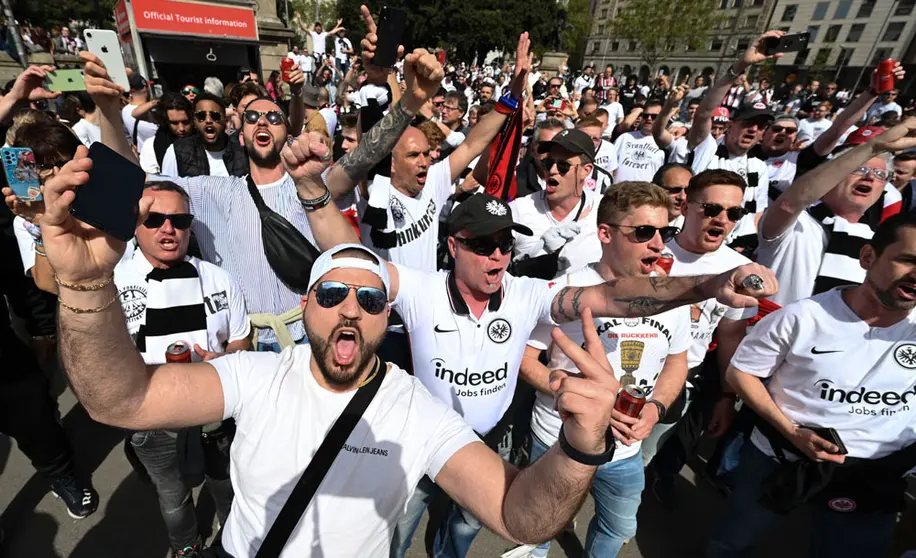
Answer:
[(277, 323)]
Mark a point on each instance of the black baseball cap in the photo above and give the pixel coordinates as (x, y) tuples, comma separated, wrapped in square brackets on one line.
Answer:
[(753, 112), (483, 215), (576, 142), (136, 82)]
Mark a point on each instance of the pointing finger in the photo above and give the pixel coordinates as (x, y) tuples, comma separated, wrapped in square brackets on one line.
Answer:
[(367, 19)]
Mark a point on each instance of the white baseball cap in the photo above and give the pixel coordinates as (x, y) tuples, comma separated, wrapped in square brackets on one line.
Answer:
[(327, 262)]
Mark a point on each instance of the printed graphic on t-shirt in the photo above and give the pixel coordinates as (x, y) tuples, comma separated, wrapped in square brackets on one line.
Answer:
[(408, 233), (639, 157)]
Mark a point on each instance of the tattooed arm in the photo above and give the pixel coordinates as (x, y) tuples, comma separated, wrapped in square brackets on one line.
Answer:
[(646, 296)]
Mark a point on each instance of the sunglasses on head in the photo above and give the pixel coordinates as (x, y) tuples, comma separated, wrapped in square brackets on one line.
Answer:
[(189, 90), (181, 221), (486, 245), (273, 116), (201, 115), (329, 294), (645, 233), (562, 166), (714, 210), (777, 128)]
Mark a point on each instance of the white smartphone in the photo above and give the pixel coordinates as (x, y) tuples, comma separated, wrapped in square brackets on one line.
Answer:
[(104, 44)]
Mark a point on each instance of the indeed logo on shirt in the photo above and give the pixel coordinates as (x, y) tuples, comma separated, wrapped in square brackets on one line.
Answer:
[(866, 396), (472, 379)]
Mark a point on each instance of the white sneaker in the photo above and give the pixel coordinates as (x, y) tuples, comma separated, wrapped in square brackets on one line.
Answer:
[(523, 551)]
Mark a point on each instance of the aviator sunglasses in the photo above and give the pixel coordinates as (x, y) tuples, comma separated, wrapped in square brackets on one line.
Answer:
[(331, 293)]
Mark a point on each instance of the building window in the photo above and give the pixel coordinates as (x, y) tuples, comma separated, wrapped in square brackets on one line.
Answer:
[(844, 57), (812, 32), (855, 33), (801, 57), (820, 10), (716, 45), (842, 10), (789, 13), (905, 7), (832, 33), (880, 55), (757, 3), (783, 29), (604, 13), (601, 29), (738, 3), (615, 46), (742, 45), (893, 31), (820, 59), (750, 22), (632, 46), (596, 47), (723, 5), (866, 8)]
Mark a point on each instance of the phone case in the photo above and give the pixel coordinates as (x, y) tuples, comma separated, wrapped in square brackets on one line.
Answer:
[(104, 44), (109, 200), (390, 35), (65, 80), (21, 172)]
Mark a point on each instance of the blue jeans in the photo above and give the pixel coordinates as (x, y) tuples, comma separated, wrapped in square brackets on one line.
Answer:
[(834, 534), (275, 347), (617, 491), (426, 491)]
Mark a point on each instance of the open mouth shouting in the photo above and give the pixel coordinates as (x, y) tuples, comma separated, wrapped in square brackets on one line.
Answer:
[(346, 342), (906, 291), (262, 138), (210, 133), (494, 276), (168, 244), (714, 234), (552, 185), (862, 190), (421, 177), (647, 264)]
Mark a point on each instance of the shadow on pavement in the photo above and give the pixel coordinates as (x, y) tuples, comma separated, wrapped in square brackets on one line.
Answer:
[(43, 530)]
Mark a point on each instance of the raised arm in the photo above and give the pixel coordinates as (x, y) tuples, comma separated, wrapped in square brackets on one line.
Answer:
[(532, 505), (485, 130), (105, 370), (814, 184), (854, 112), (702, 120), (337, 27), (645, 296), (627, 123), (27, 87), (296, 106), (663, 137), (107, 97)]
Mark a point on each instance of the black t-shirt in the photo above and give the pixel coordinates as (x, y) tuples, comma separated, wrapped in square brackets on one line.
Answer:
[(628, 98)]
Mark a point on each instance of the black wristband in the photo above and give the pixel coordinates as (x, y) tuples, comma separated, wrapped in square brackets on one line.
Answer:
[(589, 458), (662, 409), (317, 203)]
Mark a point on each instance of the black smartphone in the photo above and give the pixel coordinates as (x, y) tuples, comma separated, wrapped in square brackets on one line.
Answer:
[(391, 30), (787, 43), (109, 201), (831, 435)]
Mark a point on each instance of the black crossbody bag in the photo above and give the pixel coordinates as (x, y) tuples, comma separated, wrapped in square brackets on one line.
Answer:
[(288, 252), (316, 470)]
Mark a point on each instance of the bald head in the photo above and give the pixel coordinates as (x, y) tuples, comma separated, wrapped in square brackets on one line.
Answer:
[(410, 160)]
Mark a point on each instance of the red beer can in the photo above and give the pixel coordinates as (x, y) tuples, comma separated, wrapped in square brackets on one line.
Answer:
[(630, 400), (885, 76), (665, 262), (286, 64), (179, 351)]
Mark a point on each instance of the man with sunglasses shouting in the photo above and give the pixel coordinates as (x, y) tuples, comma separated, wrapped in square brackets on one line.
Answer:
[(167, 296), (208, 152), (468, 328)]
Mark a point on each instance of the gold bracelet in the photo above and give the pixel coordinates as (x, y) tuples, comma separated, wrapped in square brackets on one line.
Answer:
[(85, 288), (88, 310)]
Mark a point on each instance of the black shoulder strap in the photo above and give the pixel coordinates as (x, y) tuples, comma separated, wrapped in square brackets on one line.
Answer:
[(318, 467), (133, 136), (256, 196)]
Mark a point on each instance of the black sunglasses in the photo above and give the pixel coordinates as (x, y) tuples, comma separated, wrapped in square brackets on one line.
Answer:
[(201, 115), (714, 210), (562, 166), (439, 104), (189, 90), (674, 189), (645, 233), (486, 245), (181, 221), (777, 128), (649, 116), (273, 116), (331, 293)]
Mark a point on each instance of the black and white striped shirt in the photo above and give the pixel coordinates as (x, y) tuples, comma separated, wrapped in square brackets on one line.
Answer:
[(228, 229)]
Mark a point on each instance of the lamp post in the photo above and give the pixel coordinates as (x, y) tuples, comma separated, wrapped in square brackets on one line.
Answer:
[(16, 33)]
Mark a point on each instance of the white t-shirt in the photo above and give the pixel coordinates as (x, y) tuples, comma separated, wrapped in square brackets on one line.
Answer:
[(227, 319), (582, 82), (533, 212), (614, 113), (470, 363), (148, 161), (415, 221), (282, 416), (606, 157), (795, 256), (678, 151), (877, 109), (636, 345), (340, 45), (319, 43), (214, 159), (330, 118), (705, 316), (145, 130), (828, 368), (638, 157), (756, 198), (87, 132), (809, 129)]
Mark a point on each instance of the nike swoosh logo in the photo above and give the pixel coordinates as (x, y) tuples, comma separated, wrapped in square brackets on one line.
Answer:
[(437, 330), (814, 351)]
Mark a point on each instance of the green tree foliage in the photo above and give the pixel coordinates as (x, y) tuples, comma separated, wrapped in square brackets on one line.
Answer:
[(660, 27), (50, 12), (328, 14)]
